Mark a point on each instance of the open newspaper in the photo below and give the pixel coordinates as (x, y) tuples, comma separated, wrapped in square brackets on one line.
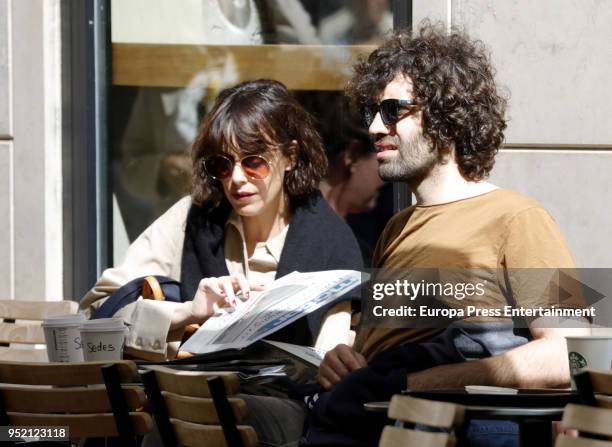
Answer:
[(284, 301)]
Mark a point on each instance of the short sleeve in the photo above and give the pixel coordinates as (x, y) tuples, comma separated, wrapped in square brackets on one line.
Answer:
[(533, 254), (534, 240)]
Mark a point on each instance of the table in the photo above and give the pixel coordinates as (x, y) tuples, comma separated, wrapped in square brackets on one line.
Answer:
[(533, 410)]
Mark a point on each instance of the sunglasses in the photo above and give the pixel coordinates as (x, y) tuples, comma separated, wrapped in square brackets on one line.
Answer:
[(389, 110), (221, 167)]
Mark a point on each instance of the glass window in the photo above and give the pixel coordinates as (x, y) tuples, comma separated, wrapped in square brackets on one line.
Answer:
[(170, 60)]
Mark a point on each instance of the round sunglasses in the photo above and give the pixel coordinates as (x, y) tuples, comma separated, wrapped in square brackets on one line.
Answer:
[(220, 167), (389, 110)]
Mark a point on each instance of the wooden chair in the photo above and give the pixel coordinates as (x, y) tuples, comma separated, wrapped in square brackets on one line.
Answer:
[(21, 324), (406, 410), (89, 398), (593, 424), (191, 408), (595, 387)]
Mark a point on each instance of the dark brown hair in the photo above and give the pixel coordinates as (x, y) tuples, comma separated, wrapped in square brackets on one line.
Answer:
[(256, 117), (454, 86)]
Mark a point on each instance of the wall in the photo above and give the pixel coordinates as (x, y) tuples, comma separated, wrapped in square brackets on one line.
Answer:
[(30, 150), (555, 59)]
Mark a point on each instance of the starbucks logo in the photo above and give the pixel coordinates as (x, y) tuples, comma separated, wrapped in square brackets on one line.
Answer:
[(576, 362)]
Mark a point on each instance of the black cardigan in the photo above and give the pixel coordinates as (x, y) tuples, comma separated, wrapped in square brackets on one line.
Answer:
[(317, 239)]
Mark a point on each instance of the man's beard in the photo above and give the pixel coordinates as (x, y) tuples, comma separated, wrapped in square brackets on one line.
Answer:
[(413, 160)]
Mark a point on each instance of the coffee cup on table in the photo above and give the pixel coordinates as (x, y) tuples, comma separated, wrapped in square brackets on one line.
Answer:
[(103, 339), (63, 337), (588, 352)]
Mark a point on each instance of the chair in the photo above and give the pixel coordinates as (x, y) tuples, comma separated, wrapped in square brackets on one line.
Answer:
[(435, 415), (13, 328), (595, 387), (593, 424), (191, 408), (89, 398)]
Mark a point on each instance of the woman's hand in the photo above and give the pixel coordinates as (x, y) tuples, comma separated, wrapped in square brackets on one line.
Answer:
[(213, 294)]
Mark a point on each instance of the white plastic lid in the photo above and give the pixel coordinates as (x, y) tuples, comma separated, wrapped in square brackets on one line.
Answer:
[(64, 320), (102, 324), (117, 321), (103, 328)]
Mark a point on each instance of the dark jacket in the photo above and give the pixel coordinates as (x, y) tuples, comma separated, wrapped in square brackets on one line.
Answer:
[(317, 239)]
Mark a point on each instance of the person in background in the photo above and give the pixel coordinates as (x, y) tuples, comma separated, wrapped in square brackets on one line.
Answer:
[(352, 181), (364, 22), (352, 185), (254, 214)]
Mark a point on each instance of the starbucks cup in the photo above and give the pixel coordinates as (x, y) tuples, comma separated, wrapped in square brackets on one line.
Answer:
[(588, 352), (63, 337), (103, 339)]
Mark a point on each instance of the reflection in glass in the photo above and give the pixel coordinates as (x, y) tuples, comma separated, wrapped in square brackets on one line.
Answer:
[(357, 22), (154, 122), (237, 12)]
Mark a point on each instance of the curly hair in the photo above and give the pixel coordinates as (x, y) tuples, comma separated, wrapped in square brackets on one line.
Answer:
[(257, 117), (453, 84)]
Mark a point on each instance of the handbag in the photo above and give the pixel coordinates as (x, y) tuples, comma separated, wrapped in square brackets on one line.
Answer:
[(149, 287)]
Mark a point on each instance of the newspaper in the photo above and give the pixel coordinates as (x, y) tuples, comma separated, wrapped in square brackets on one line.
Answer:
[(284, 301), (314, 356)]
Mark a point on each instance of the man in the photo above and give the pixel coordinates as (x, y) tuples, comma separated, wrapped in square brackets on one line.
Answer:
[(437, 122)]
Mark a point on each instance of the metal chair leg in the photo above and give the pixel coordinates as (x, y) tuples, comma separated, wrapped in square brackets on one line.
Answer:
[(158, 407), (224, 410), (120, 409)]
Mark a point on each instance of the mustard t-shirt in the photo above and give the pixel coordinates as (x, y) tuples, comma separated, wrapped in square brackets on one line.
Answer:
[(501, 229)]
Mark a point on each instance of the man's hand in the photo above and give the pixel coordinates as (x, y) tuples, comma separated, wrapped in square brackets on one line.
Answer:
[(337, 363), (540, 363)]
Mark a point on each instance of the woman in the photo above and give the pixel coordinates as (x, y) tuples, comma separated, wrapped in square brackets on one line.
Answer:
[(254, 215)]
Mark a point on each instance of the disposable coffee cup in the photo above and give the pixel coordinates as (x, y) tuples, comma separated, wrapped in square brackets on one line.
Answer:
[(63, 337), (103, 339), (588, 352)]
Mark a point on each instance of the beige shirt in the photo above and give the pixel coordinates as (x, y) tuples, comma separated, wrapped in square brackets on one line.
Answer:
[(158, 251)]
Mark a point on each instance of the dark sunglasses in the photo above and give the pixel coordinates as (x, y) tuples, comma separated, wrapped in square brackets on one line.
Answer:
[(389, 110), (221, 167)]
